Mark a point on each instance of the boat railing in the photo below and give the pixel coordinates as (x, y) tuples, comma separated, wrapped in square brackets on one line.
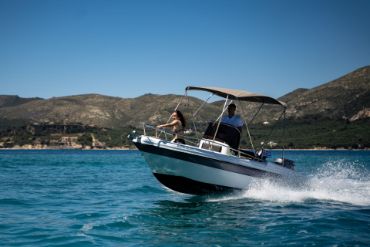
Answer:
[(150, 130)]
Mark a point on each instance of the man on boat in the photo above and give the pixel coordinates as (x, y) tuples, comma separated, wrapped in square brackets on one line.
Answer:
[(231, 118)]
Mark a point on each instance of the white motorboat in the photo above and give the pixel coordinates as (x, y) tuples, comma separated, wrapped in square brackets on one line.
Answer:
[(214, 162)]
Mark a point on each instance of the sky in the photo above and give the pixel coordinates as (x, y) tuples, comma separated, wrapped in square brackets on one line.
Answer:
[(51, 48)]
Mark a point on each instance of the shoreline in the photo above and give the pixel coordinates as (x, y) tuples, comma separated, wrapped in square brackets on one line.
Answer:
[(134, 148), (66, 148)]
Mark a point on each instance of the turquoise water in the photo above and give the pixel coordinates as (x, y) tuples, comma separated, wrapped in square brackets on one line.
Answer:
[(110, 198)]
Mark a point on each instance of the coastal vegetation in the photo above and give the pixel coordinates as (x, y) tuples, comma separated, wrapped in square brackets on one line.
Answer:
[(303, 134), (313, 134), (55, 136)]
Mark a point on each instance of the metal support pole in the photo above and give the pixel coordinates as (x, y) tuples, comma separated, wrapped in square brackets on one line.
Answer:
[(219, 122), (249, 134)]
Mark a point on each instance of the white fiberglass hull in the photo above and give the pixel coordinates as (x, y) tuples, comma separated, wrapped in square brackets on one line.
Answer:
[(192, 170)]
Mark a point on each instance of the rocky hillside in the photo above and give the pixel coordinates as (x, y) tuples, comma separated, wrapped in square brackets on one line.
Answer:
[(99, 110), (342, 98), (346, 97), (13, 100)]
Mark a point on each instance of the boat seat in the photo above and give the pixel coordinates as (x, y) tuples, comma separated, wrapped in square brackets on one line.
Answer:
[(179, 140), (226, 133)]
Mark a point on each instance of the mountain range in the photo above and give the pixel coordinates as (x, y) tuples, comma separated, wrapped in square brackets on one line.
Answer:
[(347, 97)]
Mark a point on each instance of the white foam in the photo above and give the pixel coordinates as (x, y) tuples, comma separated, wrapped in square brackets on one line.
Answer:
[(87, 227), (335, 181)]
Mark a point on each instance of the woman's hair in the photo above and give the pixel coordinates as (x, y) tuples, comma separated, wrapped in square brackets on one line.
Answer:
[(181, 117)]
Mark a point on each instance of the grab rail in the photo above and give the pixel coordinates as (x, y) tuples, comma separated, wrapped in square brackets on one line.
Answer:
[(194, 141)]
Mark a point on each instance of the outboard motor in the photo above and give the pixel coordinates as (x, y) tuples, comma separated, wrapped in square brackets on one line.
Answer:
[(285, 162)]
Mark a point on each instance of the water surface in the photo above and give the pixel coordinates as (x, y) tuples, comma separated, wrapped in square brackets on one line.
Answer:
[(110, 198)]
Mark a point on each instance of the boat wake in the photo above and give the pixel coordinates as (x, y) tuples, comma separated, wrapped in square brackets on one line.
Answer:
[(335, 181)]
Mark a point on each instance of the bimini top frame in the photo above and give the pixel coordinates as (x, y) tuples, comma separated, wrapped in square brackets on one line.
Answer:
[(241, 95)]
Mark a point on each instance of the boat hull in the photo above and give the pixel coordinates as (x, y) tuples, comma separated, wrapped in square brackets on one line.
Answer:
[(191, 170), (189, 186)]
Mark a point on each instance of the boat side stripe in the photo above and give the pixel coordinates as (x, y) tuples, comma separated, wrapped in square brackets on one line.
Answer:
[(210, 162)]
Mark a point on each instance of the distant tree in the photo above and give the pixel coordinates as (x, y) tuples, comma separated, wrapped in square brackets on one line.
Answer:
[(85, 139)]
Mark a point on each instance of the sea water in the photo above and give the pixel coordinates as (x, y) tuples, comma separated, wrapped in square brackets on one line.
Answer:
[(110, 198)]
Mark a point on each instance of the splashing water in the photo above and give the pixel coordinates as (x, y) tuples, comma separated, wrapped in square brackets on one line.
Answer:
[(339, 181)]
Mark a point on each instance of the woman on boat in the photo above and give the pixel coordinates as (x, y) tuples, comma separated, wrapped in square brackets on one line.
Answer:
[(178, 124)]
